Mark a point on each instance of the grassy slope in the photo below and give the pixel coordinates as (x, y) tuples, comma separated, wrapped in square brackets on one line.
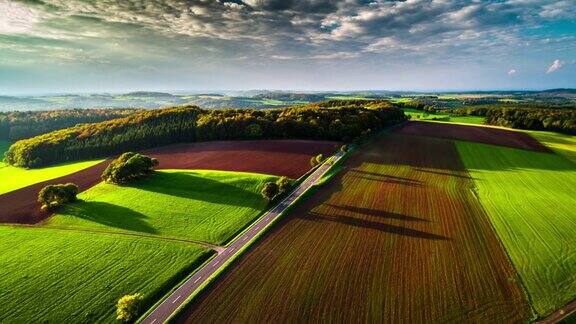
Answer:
[(398, 236), (71, 277), (12, 178), (208, 206), (420, 115), (531, 200), (561, 143)]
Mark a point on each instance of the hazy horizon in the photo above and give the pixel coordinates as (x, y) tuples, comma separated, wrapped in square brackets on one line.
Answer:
[(77, 46)]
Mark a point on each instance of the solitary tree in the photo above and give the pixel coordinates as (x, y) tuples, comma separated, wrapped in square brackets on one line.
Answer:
[(129, 166), (128, 307), (53, 196), (270, 190)]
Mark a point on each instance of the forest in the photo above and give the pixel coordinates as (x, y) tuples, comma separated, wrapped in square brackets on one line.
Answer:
[(154, 128), (558, 120), (18, 125)]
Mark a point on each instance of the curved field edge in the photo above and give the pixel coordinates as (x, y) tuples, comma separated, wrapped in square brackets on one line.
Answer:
[(200, 205), (65, 276), (530, 199), (13, 178), (395, 259)]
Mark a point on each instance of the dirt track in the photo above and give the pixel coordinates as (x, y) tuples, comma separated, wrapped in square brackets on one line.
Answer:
[(484, 135), (277, 157)]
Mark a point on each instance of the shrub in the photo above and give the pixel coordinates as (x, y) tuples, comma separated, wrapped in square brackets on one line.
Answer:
[(344, 148), (54, 196), (129, 166), (128, 307)]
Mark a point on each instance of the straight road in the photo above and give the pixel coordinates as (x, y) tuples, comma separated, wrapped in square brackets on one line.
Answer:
[(161, 313)]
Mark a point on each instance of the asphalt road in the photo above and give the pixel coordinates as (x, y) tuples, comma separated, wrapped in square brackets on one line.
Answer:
[(163, 311)]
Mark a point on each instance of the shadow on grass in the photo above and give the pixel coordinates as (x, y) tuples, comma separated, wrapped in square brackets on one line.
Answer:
[(110, 215), (189, 185)]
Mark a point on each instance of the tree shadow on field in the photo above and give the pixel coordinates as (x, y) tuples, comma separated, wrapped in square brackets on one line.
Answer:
[(377, 213), (392, 229), (361, 174), (190, 185), (110, 215)]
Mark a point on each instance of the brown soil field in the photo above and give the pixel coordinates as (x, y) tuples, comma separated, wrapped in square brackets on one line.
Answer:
[(486, 135), (398, 236), (289, 158), (277, 157)]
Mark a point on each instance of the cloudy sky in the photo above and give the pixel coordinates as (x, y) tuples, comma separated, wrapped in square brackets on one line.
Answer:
[(106, 45)]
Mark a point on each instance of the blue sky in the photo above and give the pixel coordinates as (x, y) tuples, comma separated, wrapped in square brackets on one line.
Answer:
[(104, 45)]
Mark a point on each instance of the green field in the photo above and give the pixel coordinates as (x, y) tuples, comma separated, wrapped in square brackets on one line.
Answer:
[(59, 276), (12, 178), (438, 117), (561, 143), (207, 206), (530, 198)]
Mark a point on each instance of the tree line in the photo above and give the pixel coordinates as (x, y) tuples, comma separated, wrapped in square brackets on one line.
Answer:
[(147, 129), (558, 120), (25, 124)]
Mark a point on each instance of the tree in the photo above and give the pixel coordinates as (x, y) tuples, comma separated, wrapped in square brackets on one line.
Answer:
[(315, 160), (54, 196), (128, 307), (344, 148), (284, 184), (270, 190), (129, 166)]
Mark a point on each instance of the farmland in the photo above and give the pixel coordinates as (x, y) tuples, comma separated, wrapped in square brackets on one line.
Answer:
[(398, 235), (529, 197), (208, 206), (276, 157), (70, 277)]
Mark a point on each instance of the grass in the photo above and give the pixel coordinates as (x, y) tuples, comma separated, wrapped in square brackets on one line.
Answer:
[(12, 178), (530, 198), (398, 235), (562, 144), (208, 206), (421, 115), (58, 276)]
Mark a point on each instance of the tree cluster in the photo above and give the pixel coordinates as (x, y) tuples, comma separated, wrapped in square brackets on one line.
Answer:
[(154, 128), (129, 166), (558, 120), (272, 190), (316, 160), (25, 124), (54, 196)]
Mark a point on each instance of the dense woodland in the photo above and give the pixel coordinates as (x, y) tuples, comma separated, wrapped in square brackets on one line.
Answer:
[(25, 124), (558, 120), (154, 128)]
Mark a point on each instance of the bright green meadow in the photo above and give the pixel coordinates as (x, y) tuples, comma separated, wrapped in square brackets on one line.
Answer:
[(12, 178), (198, 205), (530, 198), (59, 276)]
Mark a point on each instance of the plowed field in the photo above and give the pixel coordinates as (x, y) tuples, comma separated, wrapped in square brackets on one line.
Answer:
[(397, 237)]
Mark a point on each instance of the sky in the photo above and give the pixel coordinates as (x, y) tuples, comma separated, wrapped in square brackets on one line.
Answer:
[(67, 46)]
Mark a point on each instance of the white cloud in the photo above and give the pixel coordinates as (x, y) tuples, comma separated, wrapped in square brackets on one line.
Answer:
[(512, 72), (16, 18), (557, 64)]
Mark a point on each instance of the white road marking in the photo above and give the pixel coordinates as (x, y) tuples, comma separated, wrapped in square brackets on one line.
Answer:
[(153, 321), (175, 300), (195, 281)]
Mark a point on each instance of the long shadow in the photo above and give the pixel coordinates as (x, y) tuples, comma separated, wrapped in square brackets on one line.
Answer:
[(378, 213), (384, 178), (191, 186), (110, 215), (445, 173), (392, 229)]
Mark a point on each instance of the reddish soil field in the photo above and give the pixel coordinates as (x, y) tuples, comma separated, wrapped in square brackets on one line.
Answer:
[(289, 158), (397, 237), (479, 134), (278, 157)]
